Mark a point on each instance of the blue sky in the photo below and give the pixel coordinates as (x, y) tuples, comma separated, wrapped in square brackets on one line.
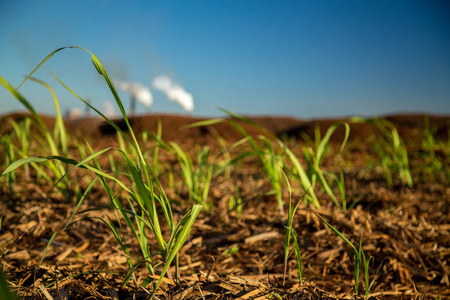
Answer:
[(305, 59)]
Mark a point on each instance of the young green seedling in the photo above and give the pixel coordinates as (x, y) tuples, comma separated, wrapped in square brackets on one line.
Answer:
[(197, 178), (391, 150), (147, 193), (290, 232), (359, 257), (58, 142), (261, 147)]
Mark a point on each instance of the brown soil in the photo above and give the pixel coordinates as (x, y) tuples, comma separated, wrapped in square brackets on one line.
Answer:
[(232, 256)]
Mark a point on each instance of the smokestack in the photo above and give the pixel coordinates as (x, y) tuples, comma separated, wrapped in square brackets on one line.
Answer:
[(138, 93), (87, 111), (133, 105)]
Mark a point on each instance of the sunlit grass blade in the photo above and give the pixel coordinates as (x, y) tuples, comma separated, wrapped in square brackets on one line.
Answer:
[(298, 256), (5, 290), (391, 150), (290, 232), (43, 128), (303, 178), (245, 120), (9, 159), (208, 122), (356, 253), (272, 161), (149, 205), (178, 239), (29, 160), (22, 99), (133, 269), (117, 128), (197, 178), (69, 222), (10, 148), (58, 142), (369, 287), (22, 131), (81, 164), (319, 155), (60, 132)]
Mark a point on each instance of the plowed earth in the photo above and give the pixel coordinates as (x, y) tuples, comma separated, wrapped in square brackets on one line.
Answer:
[(239, 256)]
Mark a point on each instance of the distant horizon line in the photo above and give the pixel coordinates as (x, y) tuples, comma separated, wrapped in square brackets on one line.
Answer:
[(190, 115)]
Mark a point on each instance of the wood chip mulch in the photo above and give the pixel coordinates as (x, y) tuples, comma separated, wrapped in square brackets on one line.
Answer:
[(230, 255)]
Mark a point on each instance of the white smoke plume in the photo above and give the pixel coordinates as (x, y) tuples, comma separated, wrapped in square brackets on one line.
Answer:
[(174, 92), (137, 91)]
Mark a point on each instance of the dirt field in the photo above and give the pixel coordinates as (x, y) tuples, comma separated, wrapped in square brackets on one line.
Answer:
[(239, 255)]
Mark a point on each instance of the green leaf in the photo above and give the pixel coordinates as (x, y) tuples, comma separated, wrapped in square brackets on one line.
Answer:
[(357, 254), (5, 292), (132, 269), (35, 159), (204, 123), (69, 222), (181, 234), (24, 101), (43, 61), (297, 255)]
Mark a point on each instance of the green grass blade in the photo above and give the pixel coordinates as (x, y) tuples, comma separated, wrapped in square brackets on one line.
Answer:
[(69, 222), (327, 188), (306, 184), (43, 61), (205, 123), (122, 133), (149, 204), (243, 119), (184, 228), (338, 233), (132, 269), (357, 255), (21, 162), (324, 142), (81, 164), (22, 100), (5, 291), (60, 131), (297, 255)]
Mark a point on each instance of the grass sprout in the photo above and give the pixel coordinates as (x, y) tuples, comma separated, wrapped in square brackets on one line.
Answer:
[(197, 179), (339, 181), (9, 159), (235, 203), (391, 151), (314, 159), (291, 233), (22, 132), (57, 142), (359, 258), (262, 148), (434, 167), (274, 161)]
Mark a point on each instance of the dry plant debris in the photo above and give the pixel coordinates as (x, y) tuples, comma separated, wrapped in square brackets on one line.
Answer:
[(231, 254)]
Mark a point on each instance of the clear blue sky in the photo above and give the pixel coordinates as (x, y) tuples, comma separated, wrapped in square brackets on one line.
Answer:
[(305, 59)]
